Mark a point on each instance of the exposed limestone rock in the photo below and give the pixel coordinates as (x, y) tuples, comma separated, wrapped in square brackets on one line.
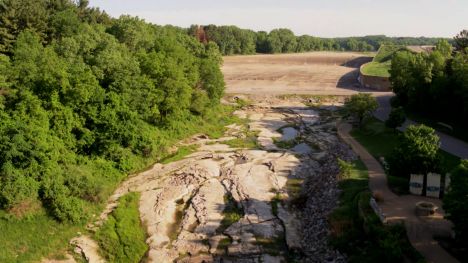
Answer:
[(183, 205), (88, 248), (209, 205), (293, 228)]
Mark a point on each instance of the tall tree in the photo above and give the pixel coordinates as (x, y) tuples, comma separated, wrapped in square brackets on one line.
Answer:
[(461, 41)]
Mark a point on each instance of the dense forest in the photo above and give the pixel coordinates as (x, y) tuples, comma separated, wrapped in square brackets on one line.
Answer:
[(434, 85), (85, 98), (233, 40)]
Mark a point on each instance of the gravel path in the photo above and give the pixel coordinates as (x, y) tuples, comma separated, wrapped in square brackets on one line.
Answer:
[(401, 208)]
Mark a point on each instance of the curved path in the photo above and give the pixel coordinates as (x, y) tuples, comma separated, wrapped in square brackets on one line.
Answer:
[(401, 208), (448, 143)]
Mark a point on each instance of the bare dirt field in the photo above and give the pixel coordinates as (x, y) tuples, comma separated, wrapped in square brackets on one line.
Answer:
[(318, 73)]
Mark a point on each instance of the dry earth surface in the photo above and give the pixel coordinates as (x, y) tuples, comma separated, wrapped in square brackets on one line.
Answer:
[(320, 73)]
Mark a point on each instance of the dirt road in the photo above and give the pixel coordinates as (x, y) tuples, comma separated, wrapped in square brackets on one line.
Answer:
[(320, 73)]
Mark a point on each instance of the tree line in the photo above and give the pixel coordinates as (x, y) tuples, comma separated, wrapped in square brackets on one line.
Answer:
[(85, 98), (435, 84), (233, 40)]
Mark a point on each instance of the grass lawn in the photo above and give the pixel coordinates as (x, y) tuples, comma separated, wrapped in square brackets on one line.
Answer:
[(122, 237), (380, 65), (380, 141), (30, 239), (358, 232), (377, 69)]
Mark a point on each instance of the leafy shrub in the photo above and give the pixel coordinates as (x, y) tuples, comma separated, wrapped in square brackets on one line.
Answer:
[(58, 200), (346, 168), (396, 119), (16, 189), (417, 152), (456, 203)]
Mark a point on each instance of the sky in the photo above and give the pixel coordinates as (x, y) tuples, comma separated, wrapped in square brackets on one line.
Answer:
[(323, 18)]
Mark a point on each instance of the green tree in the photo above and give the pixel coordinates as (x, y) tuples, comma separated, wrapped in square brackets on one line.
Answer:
[(361, 106), (417, 152), (445, 48), (455, 202), (461, 41), (282, 41), (396, 119)]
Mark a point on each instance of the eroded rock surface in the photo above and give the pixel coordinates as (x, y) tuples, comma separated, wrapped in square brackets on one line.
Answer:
[(222, 204)]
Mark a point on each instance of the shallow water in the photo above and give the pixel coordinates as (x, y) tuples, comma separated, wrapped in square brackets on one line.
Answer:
[(289, 134)]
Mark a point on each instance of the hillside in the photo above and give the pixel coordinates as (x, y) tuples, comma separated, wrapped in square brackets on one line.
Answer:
[(86, 99), (380, 65)]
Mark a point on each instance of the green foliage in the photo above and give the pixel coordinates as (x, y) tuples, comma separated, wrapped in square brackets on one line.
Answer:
[(232, 213), (370, 136), (346, 168), (33, 237), (232, 40), (386, 52), (455, 202), (84, 103), (122, 238), (433, 85), (358, 232), (179, 154), (381, 64), (416, 153), (377, 69), (396, 119), (361, 106), (461, 41)]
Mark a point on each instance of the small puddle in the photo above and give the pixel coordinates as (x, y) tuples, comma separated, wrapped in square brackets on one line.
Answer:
[(289, 134), (302, 148)]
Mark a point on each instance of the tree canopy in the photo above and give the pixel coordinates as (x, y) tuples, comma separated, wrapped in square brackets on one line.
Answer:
[(83, 97), (433, 84), (361, 106), (416, 153), (455, 202)]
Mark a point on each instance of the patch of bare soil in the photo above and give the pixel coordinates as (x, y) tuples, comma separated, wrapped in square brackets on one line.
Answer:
[(321, 73)]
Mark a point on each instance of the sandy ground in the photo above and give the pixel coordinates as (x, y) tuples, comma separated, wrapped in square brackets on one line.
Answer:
[(321, 73)]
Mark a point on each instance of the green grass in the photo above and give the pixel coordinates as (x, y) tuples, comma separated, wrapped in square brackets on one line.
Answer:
[(39, 236), (376, 138), (386, 52), (380, 142), (174, 229), (30, 239), (122, 237), (380, 65), (232, 213), (180, 154), (248, 142), (377, 69), (358, 232)]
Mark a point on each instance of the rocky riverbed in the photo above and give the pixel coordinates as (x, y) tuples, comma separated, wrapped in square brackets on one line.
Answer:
[(224, 204)]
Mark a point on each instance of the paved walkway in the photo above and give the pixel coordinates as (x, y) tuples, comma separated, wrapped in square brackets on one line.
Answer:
[(401, 208), (448, 143)]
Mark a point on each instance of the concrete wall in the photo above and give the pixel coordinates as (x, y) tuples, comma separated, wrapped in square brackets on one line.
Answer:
[(373, 82)]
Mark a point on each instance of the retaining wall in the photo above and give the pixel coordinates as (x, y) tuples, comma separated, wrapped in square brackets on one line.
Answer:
[(374, 82)]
